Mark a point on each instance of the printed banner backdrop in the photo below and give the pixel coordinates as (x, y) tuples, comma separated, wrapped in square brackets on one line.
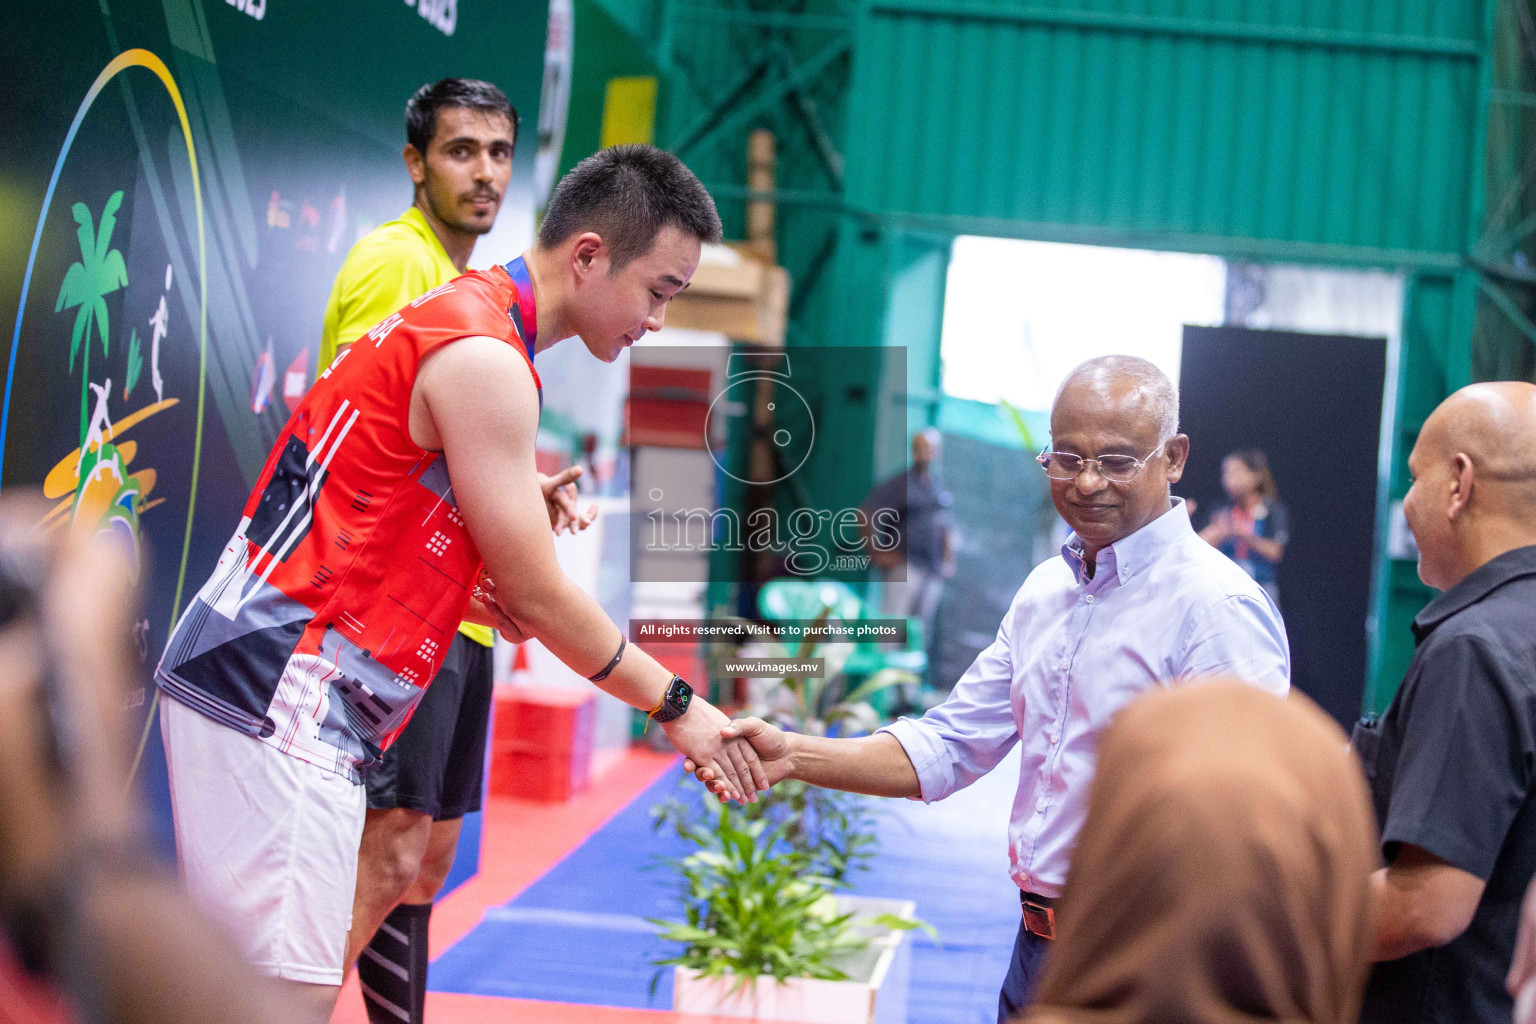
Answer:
[(183, 180)]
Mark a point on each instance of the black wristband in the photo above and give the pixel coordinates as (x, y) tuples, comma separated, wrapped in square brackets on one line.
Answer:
[(608, 669)]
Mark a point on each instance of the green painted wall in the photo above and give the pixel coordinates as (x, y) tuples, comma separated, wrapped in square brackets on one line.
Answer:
[(641, 19)]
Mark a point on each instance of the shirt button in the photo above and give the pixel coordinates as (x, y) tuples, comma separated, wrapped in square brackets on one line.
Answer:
[(1040, 804), (1090, 599), (1050, 736), (1066, 665)]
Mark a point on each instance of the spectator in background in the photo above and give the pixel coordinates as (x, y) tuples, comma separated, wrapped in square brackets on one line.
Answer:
[(1222, 872), (921, 504), (1253, 527), (1452, 762)]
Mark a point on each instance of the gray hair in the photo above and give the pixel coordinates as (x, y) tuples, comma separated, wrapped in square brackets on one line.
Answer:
[(1152, 382)]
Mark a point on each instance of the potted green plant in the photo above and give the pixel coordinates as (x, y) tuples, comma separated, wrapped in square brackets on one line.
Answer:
[(763, 937), (834, 832), (765, 933)]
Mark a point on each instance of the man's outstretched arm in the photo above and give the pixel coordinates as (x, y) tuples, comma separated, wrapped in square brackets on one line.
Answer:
[(475, 401), (947, 749)]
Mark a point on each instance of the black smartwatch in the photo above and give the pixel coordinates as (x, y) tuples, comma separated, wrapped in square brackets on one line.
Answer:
[(674, 702)]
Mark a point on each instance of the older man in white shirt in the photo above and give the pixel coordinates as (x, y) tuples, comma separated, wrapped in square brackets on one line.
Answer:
[(1135, 601)]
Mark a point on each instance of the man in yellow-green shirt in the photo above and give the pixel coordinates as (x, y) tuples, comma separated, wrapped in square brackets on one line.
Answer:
[(388, 267), (461, 134)]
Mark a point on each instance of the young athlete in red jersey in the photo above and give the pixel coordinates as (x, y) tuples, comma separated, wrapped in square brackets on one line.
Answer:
[(407, 469)]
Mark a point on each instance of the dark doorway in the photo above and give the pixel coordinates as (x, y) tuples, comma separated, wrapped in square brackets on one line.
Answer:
[(1313, 403)]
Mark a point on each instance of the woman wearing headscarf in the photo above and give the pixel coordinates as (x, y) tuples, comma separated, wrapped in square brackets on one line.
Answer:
[(1222, 875)]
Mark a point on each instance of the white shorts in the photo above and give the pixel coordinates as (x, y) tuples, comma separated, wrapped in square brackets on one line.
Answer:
[(267, 844)]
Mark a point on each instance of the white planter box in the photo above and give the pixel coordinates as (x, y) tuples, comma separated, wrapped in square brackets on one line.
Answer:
[(876, 992)]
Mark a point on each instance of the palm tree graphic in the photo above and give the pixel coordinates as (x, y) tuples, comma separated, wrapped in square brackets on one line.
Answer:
[(87, 284)]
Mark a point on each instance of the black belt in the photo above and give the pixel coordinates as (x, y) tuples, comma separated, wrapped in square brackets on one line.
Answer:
[(1039, 914)]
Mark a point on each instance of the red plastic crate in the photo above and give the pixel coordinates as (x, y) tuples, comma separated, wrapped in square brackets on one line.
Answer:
[(541, 742)]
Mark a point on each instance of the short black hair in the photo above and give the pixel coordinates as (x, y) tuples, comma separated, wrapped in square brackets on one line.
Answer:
[(627, 194), (421, 109)]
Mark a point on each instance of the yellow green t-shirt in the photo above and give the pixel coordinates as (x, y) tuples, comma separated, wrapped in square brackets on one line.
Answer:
[(387, 268)]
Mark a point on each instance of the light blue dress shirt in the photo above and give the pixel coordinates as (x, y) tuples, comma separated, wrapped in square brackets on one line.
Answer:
[(1163, 607)]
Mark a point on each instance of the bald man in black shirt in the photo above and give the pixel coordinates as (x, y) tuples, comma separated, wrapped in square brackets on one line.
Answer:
[(1452, 764)]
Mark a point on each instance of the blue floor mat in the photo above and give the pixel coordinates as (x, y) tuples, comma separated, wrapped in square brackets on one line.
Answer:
[(466, 858), (578, 934)]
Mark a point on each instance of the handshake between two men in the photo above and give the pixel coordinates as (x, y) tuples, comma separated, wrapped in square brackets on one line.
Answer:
[(875, 765)]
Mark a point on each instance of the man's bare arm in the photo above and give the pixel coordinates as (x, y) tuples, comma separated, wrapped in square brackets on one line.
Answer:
[(1421, 901), (475, 401), (877, 765)]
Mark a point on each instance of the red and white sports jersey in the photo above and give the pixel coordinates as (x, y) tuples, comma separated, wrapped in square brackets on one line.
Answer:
[(334, 603)]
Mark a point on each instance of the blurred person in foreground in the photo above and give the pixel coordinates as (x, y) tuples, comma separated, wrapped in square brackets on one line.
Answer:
[(1222, 874), (82, 902), (1452, 762), (401, 498), (1136, 601), (461, 134), (1254, 526)]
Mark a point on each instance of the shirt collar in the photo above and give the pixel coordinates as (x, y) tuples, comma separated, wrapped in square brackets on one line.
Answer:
[(1478, 584), (418, 222), (1129, 555), (524, 312)]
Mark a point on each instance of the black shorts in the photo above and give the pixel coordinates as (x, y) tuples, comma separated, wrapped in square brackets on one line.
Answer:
[(437, 764)]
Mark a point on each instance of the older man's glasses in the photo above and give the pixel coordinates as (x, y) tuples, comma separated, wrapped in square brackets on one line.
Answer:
[(1117, 469)]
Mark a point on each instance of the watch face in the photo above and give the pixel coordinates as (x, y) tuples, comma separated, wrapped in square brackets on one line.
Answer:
[(681, 695)]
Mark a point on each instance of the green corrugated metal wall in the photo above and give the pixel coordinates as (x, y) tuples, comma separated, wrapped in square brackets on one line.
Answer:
[(737, 69), (1346, 129)]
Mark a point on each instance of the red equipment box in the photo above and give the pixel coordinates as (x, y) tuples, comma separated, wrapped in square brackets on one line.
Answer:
[(541, 742)]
